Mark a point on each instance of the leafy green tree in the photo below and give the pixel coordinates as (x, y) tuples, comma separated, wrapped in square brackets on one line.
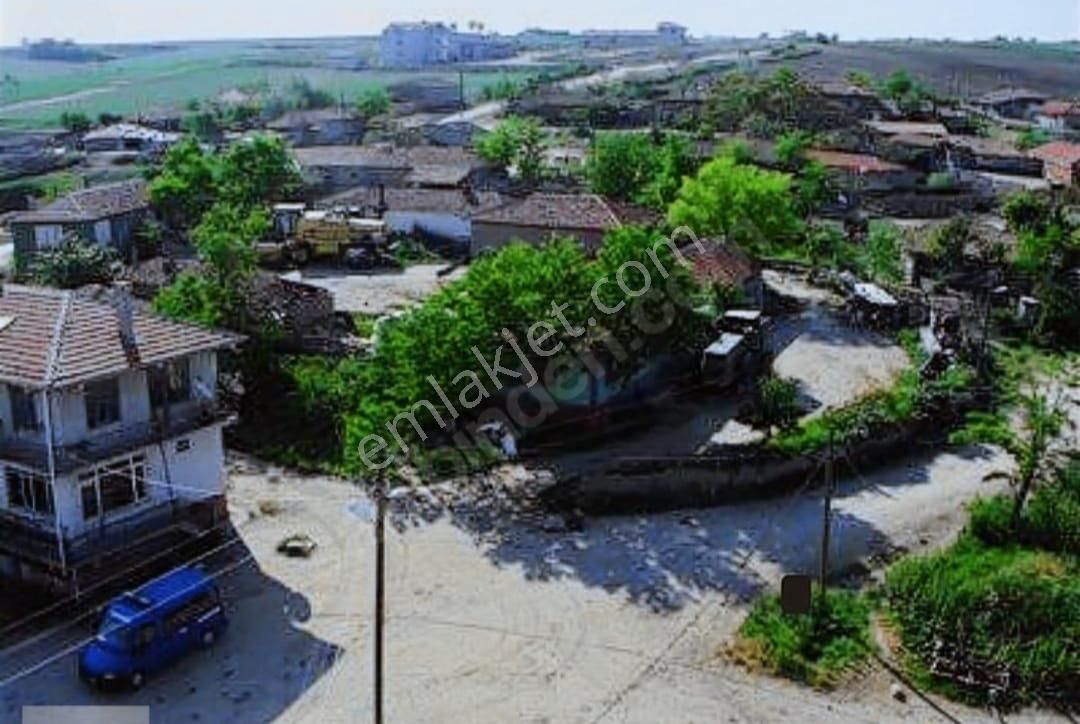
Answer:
[(791, 149), (204, 125), (186, 185), (898, 85), (813, 188), (676, 162), (882, 256), (620, 165), (306, 96), (1026, 211), (778, 403), (373, 102), (257, 171), (739, 203), (1031, 138), (75, 121), (516, 142)]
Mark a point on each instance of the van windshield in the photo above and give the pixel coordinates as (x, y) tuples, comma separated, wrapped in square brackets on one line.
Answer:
[(115, 633)]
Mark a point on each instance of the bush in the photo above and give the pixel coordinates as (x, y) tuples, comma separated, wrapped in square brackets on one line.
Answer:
[(991, 520), (72, 265), (992, 625), (808, 648)]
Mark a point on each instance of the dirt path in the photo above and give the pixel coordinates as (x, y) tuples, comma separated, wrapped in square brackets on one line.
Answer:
[(619, 622)]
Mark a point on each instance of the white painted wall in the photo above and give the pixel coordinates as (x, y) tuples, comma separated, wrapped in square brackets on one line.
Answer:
[(450, 225)]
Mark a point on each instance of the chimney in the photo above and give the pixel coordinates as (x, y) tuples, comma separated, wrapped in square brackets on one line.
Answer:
[(125, 321)]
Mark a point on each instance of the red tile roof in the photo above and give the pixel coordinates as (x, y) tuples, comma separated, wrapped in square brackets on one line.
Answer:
[(1060, 109), (53, 338), (566, 211), (92, 204), (857, 162), (721, 263), (1059, 152)]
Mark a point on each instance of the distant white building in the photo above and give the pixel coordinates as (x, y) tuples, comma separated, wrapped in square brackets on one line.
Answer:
[(664, 34), (416, 45)]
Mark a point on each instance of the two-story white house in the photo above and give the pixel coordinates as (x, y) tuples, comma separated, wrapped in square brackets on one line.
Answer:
[(110, 435)]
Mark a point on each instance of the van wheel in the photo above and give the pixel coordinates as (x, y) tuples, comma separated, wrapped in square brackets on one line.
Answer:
[(208, 639), (137, 680), (301, 255)]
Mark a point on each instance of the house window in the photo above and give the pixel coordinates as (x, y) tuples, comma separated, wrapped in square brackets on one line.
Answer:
[(114, 486), (29, 491), (24, 410), (170, 384), (102, 403)]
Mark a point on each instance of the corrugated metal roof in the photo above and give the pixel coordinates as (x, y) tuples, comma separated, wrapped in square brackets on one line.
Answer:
[(57, 338)]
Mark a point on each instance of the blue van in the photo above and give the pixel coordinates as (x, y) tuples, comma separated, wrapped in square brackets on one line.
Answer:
[(144, 631)]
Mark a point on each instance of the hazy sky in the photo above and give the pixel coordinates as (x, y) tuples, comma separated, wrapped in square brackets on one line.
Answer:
[(137, 20)]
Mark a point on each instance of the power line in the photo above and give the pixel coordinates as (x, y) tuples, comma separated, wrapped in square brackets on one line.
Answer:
[(33, 669)]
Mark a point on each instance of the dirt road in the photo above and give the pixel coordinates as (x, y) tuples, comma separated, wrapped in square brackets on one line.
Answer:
[(620, 622)]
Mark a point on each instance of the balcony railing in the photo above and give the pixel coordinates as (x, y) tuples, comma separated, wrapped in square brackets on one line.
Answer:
[(182, 418), (36, 541)]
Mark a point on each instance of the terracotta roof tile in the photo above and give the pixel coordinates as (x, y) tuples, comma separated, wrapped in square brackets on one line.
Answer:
[(564, 211), (56, 338), (92, 204), (1059, 152)]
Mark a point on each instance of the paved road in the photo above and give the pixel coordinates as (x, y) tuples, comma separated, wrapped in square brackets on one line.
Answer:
[(619, 73)]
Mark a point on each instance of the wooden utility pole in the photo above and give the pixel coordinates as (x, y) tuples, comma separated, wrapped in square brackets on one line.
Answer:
[(380, 593), (830, 484)]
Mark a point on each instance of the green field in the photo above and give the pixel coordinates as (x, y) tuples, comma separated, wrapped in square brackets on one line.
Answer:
[(164, 78)]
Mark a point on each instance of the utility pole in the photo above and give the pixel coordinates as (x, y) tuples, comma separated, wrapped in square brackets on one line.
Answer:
[(830, 484), (380, 593)]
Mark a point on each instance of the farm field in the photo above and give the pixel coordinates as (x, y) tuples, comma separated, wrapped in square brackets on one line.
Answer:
[(164, 78), (958, 69)]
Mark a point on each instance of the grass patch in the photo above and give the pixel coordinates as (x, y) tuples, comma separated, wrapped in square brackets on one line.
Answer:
[(860, 420), (365, 324), (991, 625), (814, 649)]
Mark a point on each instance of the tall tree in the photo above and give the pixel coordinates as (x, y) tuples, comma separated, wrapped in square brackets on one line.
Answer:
[(740, 203)]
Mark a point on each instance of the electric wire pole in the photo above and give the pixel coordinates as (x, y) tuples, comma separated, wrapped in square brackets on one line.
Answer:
[(830, 484), (380, 593)]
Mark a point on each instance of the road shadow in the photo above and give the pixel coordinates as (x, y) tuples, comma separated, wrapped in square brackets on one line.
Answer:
[(660, 561), (255, 672)]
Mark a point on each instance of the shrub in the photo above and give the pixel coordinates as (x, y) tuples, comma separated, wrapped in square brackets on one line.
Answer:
[(991, 520), (815, 648), (73, 264), (992, 625), (1052, 518)]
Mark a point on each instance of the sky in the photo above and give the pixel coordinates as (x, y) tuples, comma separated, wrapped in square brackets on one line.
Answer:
[(145, 20)]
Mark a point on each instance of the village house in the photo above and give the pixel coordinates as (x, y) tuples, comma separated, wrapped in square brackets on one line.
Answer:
[(716, 263), (331, 169), (443, 213), (110, 435), (106, 215), (1061, 162), (129, 137), (1016, 103), (322, 127), (540, 217), (992, 155), (857, 171), (1059, 116)]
